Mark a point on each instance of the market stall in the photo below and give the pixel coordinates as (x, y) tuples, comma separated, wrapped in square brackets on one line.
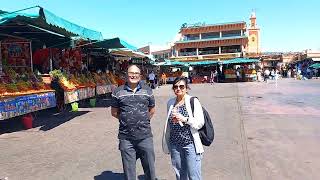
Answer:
[(21, 91), (172, 69), (76, 87), (201, 70), (245, 68)]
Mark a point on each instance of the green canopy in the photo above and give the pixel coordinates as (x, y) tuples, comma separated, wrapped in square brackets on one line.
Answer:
[(316, 66), (174, 63), (114, 43), (202, 63), (240, 61), (45, 20), (127, 52)]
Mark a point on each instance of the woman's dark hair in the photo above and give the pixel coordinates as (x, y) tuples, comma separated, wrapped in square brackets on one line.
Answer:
[(181, 78)]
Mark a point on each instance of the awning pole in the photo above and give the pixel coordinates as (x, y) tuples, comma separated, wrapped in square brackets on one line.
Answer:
[(50, 59), (31, 60)]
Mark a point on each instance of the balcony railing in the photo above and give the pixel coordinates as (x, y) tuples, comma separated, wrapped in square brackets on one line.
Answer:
[(194, 53), (209, 52), (190, 38)]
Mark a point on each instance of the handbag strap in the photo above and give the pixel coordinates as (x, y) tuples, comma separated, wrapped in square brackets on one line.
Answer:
[(192, 104)]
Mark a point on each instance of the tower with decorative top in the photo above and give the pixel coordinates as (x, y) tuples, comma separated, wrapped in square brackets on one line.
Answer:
[(253, 37)]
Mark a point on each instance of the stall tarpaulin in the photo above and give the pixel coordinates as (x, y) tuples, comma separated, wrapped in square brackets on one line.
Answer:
[(316, 66), (114, 43), (240, 61), (127, 52), (44, 19)]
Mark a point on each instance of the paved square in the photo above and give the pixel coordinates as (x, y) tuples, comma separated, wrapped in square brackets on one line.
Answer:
[(263, 131)]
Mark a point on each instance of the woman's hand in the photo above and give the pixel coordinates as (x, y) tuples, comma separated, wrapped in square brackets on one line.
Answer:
[(178, 117)]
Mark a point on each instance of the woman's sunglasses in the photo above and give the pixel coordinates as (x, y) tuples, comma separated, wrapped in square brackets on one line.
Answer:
[(180, 87)]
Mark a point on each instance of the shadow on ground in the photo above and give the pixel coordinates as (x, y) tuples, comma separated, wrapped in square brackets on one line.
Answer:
[(109, 175), (106, 175), (50, 118), (48, 122), (45, 119)]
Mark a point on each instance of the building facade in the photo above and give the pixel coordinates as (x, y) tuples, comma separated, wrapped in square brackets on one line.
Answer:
[(200, 42)]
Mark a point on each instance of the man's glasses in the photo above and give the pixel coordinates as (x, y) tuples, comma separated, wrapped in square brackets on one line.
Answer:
[(182, 87), (133, 73)]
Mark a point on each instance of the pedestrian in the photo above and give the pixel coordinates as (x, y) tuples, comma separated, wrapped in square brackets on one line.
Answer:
[(151, 78), (266, 75), (181, 138), (259, 76), (190, 77), (272, 74), (212, 76), (289, 73), (133, 104), (164, 78), (238, 74)]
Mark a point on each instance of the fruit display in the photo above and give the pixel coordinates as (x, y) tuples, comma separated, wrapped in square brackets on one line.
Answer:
[(112, 78), (66, 85), (24, 83), (74, 81), (174, 74), (100, 79), (230, 71), (63, 81)]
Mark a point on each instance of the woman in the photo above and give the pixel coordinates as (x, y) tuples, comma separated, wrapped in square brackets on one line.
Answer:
[(164, 78), (181, 138), (212, 76)]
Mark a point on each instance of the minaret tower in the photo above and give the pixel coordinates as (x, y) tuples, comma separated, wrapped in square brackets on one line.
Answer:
[(254, 36)]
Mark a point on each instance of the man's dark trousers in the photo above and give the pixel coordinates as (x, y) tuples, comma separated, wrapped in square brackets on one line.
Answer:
[(131, 150)]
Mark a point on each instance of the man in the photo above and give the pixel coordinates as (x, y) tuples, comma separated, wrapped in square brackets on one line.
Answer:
[(238, 74), (133, 104), (266, 75), (152, 77)]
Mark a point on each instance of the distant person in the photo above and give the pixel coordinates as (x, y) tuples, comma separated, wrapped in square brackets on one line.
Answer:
[(273, 74), (151, 78), (212, 76), (266, 75), (163, 78), (289, 73), (238, 74), (243, 73), (133, 104), (259, 75)]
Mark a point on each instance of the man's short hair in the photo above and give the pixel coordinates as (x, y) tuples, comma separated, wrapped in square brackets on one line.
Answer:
[(131, 65)]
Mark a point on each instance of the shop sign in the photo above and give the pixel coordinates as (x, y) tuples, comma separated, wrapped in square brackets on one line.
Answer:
[(16, 53)]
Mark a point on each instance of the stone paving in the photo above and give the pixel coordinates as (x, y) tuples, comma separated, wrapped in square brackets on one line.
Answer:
[(263, 131)]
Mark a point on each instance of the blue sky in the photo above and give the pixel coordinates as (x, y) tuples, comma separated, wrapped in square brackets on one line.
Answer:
[(286, 25)]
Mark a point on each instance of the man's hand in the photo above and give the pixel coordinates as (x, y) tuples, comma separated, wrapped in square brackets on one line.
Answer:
[(115, 112), (152, 110)]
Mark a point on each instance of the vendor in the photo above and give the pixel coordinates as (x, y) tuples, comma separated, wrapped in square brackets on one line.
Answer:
[(59, 93), (163, 78)]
